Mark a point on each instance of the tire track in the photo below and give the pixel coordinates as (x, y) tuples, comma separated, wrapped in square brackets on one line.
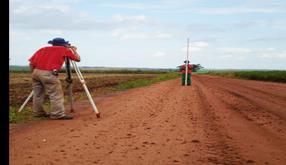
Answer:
[(221, 148), (250, 109), (271, 147)]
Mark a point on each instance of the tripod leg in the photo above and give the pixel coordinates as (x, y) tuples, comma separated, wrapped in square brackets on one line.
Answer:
[(91, 100), (86, 89), (69, 81), (70, 97), (26, 101)]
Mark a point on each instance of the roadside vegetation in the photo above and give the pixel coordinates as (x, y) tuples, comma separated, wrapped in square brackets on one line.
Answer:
[(269, 75), (145, 82), (25, 115)]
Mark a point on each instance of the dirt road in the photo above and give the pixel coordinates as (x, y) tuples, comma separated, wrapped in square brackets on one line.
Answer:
[(214, 121)]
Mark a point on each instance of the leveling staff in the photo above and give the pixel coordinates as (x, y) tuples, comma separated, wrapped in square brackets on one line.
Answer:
[(45, 64)]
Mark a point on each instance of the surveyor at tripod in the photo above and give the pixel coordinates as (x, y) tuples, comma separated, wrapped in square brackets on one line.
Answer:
[(189, 72), (45, 64)]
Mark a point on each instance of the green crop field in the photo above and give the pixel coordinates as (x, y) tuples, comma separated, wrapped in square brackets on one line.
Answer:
[(264, 75)]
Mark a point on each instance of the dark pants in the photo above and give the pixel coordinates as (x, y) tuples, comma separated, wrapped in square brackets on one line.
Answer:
[(189, 80)]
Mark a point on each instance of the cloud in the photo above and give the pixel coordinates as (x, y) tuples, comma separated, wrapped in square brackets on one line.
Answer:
[(196, 46), (273, 55), (124, 5), (133, 19), (234, 50), (239, 10), (38, 9), (154, 6), (277, 23), (254, 6), (53, 32), (227, 56), (134, 33), (204, 27), (16, 34), (159, 54), (161, 35), (56, 16), (61, 16), (200, 44), (244, 53)]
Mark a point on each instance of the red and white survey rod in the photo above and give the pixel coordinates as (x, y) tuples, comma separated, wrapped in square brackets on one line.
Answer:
[(186, 65)]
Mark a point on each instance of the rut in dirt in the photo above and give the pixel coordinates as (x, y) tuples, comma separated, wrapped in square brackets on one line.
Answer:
[(214, 121)]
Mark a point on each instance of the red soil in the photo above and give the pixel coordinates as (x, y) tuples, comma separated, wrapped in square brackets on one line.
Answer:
[(214, 121)]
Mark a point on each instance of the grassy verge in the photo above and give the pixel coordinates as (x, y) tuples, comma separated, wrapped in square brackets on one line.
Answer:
[(274, 75), (25, 115), (15, 117), (145, 82)]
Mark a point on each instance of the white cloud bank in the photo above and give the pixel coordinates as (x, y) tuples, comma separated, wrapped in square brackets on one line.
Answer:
[(134, 33), (234, 50), (251, 6), (159, 54), (196, 46), (239, 10), (244, 53), (126, 18)]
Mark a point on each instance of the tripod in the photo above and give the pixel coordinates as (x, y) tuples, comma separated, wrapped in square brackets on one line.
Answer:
[(81, 79)]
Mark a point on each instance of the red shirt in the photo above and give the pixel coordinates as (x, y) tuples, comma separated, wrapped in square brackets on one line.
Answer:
[(182, 68), (51, 57)]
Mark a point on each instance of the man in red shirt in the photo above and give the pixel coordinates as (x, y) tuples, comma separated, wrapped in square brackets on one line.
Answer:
[(45, 64), (189, 72)]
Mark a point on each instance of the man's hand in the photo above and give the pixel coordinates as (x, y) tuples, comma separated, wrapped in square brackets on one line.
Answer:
[(73, 48)]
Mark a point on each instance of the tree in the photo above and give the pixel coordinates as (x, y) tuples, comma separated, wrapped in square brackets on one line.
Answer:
[(196, 67)]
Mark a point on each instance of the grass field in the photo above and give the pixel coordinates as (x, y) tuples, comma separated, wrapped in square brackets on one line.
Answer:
[(20, 85), (271, 75)]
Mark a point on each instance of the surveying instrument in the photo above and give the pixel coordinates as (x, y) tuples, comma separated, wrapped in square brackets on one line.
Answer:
[(69, 87)]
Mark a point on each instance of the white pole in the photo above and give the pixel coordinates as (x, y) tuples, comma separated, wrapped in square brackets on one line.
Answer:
[(26, 101), (186, 65), (85, 88)]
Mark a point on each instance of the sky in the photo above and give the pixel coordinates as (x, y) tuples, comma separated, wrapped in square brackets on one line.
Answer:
[(223, 34)]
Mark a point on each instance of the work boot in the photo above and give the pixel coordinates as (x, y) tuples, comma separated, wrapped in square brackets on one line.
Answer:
[(65, 117), (45, 115)]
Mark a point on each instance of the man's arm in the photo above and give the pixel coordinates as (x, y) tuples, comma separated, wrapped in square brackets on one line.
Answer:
[(73, 49), (31, 67)]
